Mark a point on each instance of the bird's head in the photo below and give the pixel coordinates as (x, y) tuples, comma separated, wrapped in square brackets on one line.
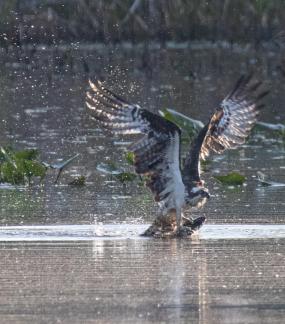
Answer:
[(198, 195)]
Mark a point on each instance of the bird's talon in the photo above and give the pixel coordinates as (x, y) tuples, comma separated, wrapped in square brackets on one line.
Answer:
[(184, 232), (160, 230), (198, 222)]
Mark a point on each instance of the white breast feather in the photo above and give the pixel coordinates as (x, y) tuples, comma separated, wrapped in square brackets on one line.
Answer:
[(175, 186)]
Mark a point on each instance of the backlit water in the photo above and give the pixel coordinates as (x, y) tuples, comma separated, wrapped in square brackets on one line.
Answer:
[(139, 280)]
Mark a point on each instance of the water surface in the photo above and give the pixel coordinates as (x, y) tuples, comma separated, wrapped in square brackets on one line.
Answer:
[(42, 106), (143, 281), (63, 268)]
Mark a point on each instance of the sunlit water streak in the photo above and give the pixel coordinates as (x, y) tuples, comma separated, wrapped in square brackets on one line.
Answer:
[(132, 231)]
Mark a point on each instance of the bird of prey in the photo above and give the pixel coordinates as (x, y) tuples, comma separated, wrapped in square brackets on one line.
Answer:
[(176, 186)]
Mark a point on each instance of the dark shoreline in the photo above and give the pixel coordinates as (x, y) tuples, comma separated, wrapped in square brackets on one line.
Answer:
[(56, 21)]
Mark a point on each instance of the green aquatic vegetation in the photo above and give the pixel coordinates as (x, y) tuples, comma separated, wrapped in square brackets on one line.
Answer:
[(270, 126), (19, 167), (109, 168), (60, 166), (231, 179), (126, 176), (266, 182), (275, 130), (21, 204), (78, 181), (118, 173), (30, 154), (206, 165), (189, 126), (130, 158)]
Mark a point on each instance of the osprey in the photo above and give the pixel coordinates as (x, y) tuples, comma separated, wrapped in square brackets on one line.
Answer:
[(157, 153)]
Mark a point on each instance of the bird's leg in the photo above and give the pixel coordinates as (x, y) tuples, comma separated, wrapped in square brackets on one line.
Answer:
[(178, 221), (154, 228), (178, 218), (181, 230), (162, 226)]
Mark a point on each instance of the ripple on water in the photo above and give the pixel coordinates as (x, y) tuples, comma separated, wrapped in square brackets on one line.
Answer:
[(133, 231)]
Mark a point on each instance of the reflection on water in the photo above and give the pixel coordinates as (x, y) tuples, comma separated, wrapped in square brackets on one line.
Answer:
[(143, 281)]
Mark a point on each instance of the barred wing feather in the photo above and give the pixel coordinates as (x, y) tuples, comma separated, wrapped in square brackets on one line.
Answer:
[(156, 153), (228, 127), (233, 120)]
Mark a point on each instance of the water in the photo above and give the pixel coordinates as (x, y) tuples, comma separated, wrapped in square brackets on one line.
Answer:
[(127, 231), (42, 105), (73, 254), (143, 281)]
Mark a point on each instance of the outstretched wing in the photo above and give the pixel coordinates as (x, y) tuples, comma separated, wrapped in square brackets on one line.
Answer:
[(233, 120), (228, 127), (156, 154)]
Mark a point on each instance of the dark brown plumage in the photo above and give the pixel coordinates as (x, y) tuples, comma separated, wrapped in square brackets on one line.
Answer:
[(228, 127), (122, 117), (157, 152)]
